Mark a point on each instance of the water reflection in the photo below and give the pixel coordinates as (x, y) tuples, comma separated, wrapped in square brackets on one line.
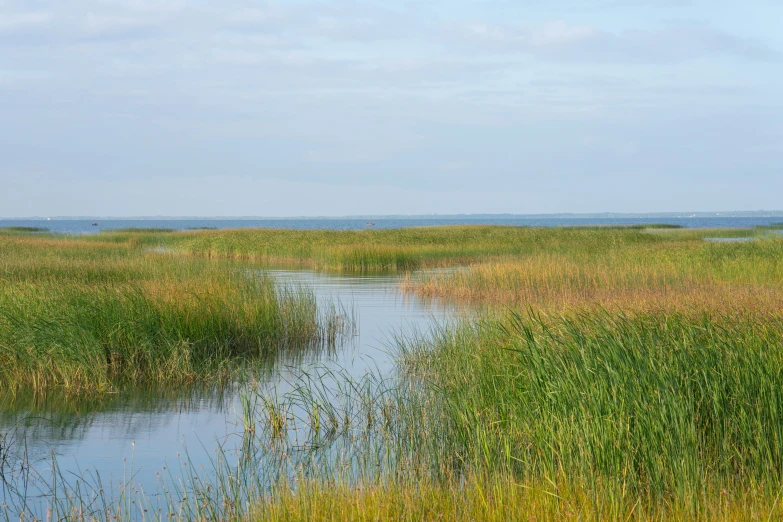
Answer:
[(141, 430), (56, 416), (728, 239)]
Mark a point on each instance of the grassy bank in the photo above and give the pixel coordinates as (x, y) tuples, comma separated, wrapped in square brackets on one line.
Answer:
[(581, 256), (663, 408), (674, 273), (499, 498), (409, 248), (643, 374), (92, 315)]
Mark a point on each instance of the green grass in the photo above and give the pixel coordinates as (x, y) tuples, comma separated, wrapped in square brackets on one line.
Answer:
[(668, 410), (644, 226), (23, 230), (94, 316), (673, 274), (407, 249), (496, 498)]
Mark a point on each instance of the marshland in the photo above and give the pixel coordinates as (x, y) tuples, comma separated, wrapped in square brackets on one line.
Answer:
[(591, 373)]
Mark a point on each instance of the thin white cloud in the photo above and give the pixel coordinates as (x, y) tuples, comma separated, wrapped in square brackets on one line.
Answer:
[(105, 24), (332, 90), (560, 33), (24, 20), (563, 41)]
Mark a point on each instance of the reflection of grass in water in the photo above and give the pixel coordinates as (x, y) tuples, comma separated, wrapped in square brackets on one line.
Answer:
[(63, 417), (95, 316)]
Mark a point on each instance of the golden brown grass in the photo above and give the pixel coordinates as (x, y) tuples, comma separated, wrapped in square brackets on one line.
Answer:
[(681, 276), (499, 498)]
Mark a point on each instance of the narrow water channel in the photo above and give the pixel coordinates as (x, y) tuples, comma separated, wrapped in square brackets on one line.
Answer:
[(136, 437)]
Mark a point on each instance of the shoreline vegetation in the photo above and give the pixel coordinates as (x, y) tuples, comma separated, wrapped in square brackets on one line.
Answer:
[(609, 373), (89, 316)]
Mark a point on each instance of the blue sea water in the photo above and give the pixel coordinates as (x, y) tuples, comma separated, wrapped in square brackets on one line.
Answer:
[(74, 226)]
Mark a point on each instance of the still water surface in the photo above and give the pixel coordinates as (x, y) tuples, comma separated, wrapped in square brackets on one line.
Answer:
[(72, 226), (140, 433)]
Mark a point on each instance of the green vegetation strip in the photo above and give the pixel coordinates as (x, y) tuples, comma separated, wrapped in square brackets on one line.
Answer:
[(410, 248), (659, 407), (94, 316)]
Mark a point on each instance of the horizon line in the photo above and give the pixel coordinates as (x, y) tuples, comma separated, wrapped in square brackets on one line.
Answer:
[(576, 215)]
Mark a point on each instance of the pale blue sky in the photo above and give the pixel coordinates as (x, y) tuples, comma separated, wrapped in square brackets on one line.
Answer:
[(286, 108)]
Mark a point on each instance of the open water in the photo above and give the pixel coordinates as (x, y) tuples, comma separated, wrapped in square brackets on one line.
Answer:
[(71, 226)]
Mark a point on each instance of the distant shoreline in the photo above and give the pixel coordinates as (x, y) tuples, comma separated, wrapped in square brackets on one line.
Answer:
[(600, 215)]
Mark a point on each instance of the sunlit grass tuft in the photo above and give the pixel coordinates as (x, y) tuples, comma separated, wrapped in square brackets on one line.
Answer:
[(91, 316)]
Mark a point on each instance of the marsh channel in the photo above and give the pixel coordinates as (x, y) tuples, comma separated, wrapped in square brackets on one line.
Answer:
[(138, 439)]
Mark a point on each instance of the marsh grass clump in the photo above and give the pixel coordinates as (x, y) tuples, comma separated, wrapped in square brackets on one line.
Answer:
[(641, 276), (91, 316), (669, 409), (400, 250), (110, 335), (23, 230)]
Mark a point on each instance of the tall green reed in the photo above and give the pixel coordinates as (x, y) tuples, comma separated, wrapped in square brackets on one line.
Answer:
[(88, 316), (659, 406)]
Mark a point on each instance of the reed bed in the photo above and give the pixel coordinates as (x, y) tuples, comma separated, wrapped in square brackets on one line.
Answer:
[(22, 230), (498, 498), (682, 275), (87, 315), (663, 410), (410, 248)]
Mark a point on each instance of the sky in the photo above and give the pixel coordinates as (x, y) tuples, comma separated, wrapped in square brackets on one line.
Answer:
[(358, 107)]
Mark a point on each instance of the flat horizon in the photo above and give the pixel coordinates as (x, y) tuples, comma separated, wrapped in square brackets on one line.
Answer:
[(574, 215)]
